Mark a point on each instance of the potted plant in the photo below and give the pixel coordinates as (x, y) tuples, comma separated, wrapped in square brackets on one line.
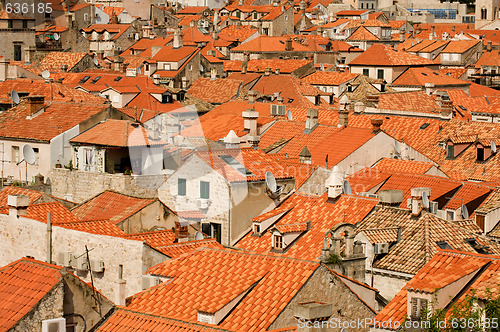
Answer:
[(127, 172), (58, 164)]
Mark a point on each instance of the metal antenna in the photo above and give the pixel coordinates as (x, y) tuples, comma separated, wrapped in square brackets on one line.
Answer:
[(94, 295)]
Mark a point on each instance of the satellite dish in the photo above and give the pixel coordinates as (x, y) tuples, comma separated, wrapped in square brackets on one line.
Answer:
[(198, 236), (46, 74), (347, 188), (493, 147), (465, 212), (397, 147), (289, 115), (56, 36), (271, 182), (96, 61), (29, 154), (139, 71), (425, 200), (15, 97)]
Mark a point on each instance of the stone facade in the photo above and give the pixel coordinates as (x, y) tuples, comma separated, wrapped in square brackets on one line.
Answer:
[(79, 186), (21, 237), (324, 286)]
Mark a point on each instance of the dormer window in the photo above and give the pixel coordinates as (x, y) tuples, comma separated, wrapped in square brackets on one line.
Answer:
[(451, 151), (278, 242), (480, 153), (256, 229), (418, 308)]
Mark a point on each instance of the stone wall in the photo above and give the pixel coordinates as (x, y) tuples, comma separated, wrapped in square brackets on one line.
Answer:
[(79, 186), (21, 237), (324, 287), (50, 307)]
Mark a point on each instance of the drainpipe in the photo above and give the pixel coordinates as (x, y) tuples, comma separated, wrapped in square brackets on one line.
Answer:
[(49, 239), (229, 216)]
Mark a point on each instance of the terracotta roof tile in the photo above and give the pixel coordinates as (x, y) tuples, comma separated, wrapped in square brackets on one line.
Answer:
[(404, 166), (420, 76), (192, 10), (216, 91), (170, 54), (383, 55), (265, 43), (413, 101), (33, 195), (322, 214), (101, 227), (268, 278), (194, 214), (460, 46), (110, 205), (362, 33), (177, 249), (329, 78), (382, 235), (156, 238), (116, 133), (54, 60), (23, 284)]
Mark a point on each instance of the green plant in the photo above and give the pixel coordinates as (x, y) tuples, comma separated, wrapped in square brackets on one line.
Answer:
[(69, 165), (127, 172), (334, 259)]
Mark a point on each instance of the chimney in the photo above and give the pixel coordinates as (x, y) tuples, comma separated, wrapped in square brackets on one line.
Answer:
[(311, 120), (120, 287), (213, 74), (433, 32), (252, 96), (429, 88), (92, 14), (288, 45), (376, 124), (453, 28), (416, 199), (344, 103), (280, 99), (231, 140), (244, 66), (118, 63), (177, 38), (18, 205), (488, 46), (277, 71), (335, 183), (246, 56), (64, 68), (446, 108), (311, 313), (241, 2), (215, 34), (69, 21), (390, 197), (373, 99), (34, 104), (4, 69), (402, 36), (305, 155), (267, 72), (156, 79), (250, 117), (343, 118), (100, 55), (359, 107), (302, 5)]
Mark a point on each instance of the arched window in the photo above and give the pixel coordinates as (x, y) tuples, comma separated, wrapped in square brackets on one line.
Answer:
[(484, 13)]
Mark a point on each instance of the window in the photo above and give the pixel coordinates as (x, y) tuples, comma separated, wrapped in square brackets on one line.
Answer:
[(25, 24), (35, 150), (17, 52), (85, 16), (238, 14), (9, 24), (366, 72), (265, 31), (444, 245), (480, 154), (254, 16), (480, 221), (204, 189), (450, 215), (181, 187), (484, 13), (15, 154), (278, 242), (418, 308), (451, 152), (256, 229), (380, 74)]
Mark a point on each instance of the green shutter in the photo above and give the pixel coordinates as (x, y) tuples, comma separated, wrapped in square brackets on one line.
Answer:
[(181, 187), (204, 189)]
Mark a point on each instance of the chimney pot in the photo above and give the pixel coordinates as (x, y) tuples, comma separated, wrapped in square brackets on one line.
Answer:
[(18, 205), (376, 124), (34, 104)]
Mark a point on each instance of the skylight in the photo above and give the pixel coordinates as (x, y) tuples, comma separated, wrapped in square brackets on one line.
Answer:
[(94, 81), (118, 78), (444, 245), (85, 79), (425, 125), (236, 165)]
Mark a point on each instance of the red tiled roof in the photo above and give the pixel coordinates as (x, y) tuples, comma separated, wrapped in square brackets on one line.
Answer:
[(33, 195), (54, 60), (178, 249), (117, 133), (253, 160), (383, 55), (101, 227), (216, 91), (4, 15), (59, 214), (260, 65), (362, 33), (23, 284), (351, 12), (112, 10), (238, 32), (194, 214), (110, 205), (329, 78), (170, 54), (156, 238), (56, 118), (192, 10), (225, 275), (460, 46), (265, 43), (453, 72), (403, 166), (420, 76), (323, 215), (145, 46), (416, 101)]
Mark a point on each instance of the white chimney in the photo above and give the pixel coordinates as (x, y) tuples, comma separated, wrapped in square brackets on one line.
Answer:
[(250, 117), (177, 38), (416, 199), (429, 88), (231, 140), (335, 183), (120, 287), (18, 205), (312, 120)]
